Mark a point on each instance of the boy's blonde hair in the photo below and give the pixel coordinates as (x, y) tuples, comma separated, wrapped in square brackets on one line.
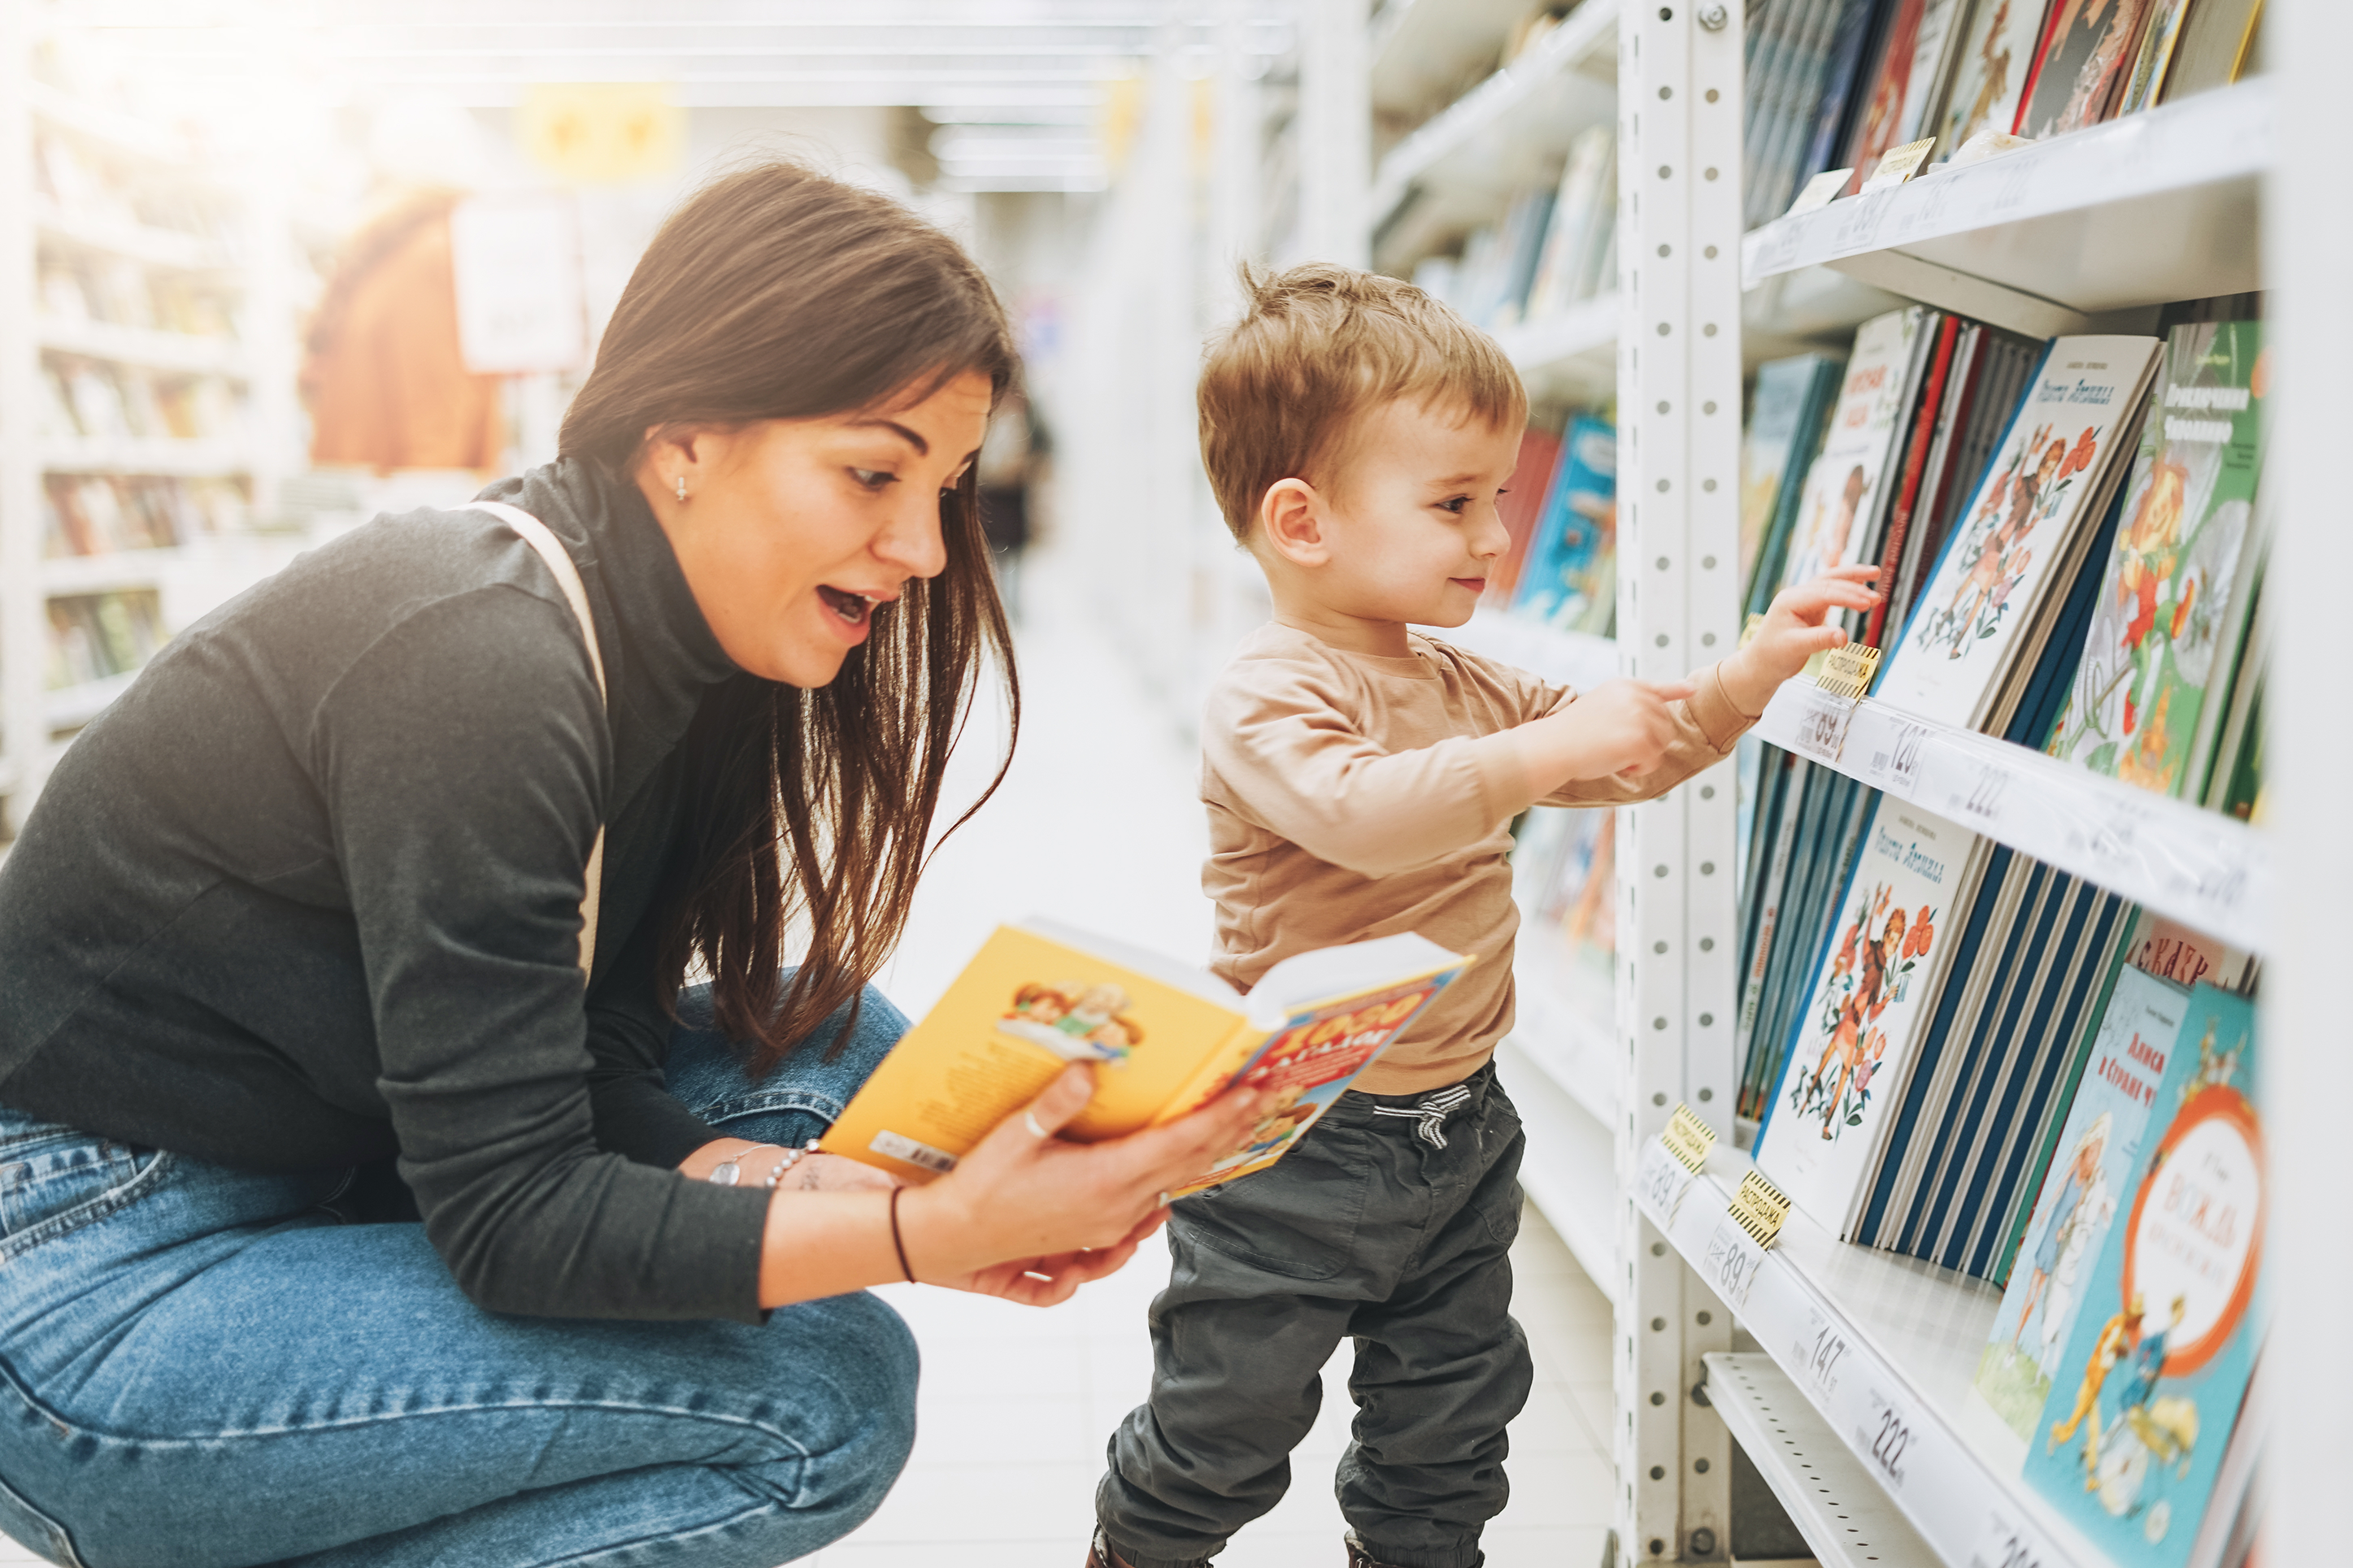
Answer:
[(1318, 347)]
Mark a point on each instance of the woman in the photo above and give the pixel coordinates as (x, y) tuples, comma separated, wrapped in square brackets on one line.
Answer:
[(292, 944)]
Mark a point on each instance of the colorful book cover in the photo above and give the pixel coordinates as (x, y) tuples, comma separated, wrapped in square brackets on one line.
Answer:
[(2088, 52), (1163, 1040), (1523, 501), (1851, 1050), (1910, 63), (1842, 487), (2146, 85), (2176, 593), (1568, 573), (2148, 1389), (1769, 448), (2097, 1149), (2049, 482), (1996, 53)]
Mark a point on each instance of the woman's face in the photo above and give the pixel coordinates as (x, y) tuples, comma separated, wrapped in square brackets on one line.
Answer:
[(795, 532)]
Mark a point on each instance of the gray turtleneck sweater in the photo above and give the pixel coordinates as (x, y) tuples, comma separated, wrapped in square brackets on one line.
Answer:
[(308, 895)]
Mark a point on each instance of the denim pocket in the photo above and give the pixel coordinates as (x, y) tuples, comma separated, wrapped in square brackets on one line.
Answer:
[(52, 1185), (1298, 1218)]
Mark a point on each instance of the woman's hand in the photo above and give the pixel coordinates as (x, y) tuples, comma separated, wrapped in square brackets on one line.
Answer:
[(1030, 1217), (1796, 629)]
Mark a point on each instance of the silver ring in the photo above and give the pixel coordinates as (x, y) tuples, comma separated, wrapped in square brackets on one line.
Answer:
[(1030, 1119)]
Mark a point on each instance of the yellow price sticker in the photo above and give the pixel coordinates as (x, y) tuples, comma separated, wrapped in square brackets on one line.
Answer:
[(1758, 1208), (1847, 672), (1688, 1139)]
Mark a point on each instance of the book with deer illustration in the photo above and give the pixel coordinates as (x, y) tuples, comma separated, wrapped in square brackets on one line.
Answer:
[(1979, 625), (1165, 1039), (1876, 982), (2152, 689), (2147, 1391)]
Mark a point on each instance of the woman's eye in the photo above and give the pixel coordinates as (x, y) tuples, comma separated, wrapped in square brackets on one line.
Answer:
[(873, 479)]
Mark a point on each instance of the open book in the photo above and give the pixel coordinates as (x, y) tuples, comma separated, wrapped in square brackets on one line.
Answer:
[(1166, 1039)]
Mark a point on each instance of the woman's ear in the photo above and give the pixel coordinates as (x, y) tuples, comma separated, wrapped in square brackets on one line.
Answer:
[(1291, 515)]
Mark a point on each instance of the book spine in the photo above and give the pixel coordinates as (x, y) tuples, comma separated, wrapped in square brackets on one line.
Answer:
[(1899, 521)]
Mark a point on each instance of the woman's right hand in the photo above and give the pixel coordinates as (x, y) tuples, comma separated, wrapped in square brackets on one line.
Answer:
[(1031, 1216)]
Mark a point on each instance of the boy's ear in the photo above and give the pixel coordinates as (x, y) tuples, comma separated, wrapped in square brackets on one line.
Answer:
[(1291, 517)]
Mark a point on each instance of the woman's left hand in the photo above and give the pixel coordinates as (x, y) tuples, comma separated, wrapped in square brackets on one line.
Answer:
[(1046, 1281)]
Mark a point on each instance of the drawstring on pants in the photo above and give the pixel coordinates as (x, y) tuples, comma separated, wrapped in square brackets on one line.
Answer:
[(1430, 1114)]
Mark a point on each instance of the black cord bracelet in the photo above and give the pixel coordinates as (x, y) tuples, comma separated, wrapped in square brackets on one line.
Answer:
[(897, 1244)]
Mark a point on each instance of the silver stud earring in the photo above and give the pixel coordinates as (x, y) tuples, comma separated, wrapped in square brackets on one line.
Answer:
[(682, 487)]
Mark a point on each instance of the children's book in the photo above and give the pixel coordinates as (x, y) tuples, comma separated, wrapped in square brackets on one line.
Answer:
[(1761, 577), (1909, 71), (1875, 984), (2096, 1150), (2152, 689), (1842, 488), (2088, 52), (1770, 448), (1568, 581), (1165, 1040), (1996, 53), (2220, 42), (1523, 502), (1980, 621), (2146, 1392)]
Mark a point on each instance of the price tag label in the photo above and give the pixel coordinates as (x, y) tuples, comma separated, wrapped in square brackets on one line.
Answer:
[(1819, 191), (1886, 1436), (1897, 765), (1821, 725), (1981, 803), (1899, 164), (2006, 1544), (1688, 1139), (1661, 1181), (1822, 1352), (1730, 1263), (1759, 1207), (1847, 670)]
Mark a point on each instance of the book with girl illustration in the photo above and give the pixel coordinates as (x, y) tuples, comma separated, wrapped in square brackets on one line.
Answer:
[(1165, 1039)]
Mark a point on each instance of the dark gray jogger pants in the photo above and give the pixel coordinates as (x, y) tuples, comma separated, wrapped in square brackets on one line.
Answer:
[(1392, 1224)]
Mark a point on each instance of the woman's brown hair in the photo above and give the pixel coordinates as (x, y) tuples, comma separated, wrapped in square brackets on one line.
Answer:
[(777, 292)]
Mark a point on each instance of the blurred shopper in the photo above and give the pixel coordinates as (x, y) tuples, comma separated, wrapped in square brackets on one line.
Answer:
[(1012, 471), (344, 1225)]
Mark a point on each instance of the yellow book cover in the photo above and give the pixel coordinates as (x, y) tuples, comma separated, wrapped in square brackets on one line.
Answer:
[(1165, 1039)]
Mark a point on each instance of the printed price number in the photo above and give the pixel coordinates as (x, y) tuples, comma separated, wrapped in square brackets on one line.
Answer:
[(1821, 1351), (1731, 1262), (1821, 730), (1887, 1438), (2005, 1545), (1898, 765), (1661, 1181), (1983, 800)]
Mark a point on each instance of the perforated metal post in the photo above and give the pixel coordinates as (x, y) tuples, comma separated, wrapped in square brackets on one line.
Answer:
[(1679, 423)]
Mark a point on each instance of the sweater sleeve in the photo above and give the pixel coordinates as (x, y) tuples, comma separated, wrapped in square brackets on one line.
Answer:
[(1282, 744), (628, 1038), (1706, 727), (462, 758)]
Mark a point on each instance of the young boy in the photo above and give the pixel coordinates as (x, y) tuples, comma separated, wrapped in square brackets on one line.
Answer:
[(1361, 781)]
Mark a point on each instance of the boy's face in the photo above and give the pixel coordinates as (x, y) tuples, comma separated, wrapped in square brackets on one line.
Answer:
[(1409, 530)]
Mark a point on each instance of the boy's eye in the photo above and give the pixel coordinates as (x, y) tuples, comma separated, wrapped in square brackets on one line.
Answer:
[(1455, 505), (873, 479)]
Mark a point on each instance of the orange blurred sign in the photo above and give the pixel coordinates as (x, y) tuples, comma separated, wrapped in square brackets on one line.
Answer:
[(602, 133)]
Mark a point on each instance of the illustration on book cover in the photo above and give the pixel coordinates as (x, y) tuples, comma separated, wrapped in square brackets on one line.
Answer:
[(1077, 1022), (1876, 955), (2157, 1364), (1997, 549)]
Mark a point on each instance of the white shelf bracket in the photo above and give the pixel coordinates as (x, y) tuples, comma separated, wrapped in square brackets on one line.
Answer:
[(1679, 420)]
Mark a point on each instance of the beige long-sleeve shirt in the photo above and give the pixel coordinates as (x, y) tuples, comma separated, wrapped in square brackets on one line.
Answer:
[(1347, 803)]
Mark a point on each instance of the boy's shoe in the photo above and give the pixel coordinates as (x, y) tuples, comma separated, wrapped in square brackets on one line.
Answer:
[(1101, 1556)]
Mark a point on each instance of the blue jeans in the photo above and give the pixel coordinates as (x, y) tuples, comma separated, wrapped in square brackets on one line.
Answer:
[(206, 1368)]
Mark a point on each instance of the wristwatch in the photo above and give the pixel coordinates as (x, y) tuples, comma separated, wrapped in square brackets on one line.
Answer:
[(729, 1173)]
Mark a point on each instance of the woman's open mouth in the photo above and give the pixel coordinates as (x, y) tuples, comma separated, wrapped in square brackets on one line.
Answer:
[(854, 609)]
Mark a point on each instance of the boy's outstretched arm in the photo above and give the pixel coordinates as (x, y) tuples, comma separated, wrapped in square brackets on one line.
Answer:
[(1629, 741)]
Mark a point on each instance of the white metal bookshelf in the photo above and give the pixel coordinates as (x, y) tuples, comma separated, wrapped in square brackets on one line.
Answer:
[(233, 262), (2095, 231), (1864, 1355)]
